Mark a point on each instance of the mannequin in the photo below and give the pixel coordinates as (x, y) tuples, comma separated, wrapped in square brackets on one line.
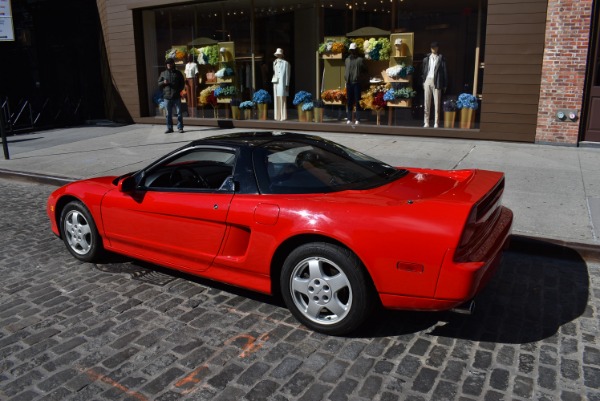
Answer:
[(281, 85), (191, 79), (435, 79), (354, 74)]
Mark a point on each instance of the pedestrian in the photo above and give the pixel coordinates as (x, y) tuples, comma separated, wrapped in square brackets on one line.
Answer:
[(435, 78), (281, 85), (354, 75), (172, 82)]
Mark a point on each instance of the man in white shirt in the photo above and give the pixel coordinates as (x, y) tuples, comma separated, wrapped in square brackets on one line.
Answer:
[(435, 78)]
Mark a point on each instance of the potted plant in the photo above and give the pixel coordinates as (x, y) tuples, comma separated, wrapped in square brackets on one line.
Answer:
[(261, 97), (307, 108), (318, 110), (450, 107), (236, 114), (247, 107), (468, 105), (300, 98)]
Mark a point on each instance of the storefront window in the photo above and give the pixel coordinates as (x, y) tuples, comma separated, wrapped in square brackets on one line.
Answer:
[(399, 34)]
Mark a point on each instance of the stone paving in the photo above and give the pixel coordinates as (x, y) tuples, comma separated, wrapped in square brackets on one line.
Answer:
[(124, 330)]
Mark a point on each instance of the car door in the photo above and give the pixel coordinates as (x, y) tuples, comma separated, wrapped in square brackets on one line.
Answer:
[(176, 215)]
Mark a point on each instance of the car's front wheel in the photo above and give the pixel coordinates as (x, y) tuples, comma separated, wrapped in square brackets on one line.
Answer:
[(326, 288), (79, 232)]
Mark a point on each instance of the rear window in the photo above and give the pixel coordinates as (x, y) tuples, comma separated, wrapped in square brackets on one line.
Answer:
[(285, 167)]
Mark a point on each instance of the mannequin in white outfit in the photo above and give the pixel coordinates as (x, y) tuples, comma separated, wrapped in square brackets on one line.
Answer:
[(281, 85)]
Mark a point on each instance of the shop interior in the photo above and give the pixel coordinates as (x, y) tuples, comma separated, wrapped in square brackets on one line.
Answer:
[(251, 31)]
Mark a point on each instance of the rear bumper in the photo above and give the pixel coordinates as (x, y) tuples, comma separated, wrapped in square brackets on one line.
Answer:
[(460, 282)]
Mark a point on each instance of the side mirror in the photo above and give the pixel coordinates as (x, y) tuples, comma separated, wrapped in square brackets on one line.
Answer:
[(127, 184)]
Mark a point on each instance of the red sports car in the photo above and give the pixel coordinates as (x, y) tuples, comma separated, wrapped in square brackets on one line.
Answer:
[(333, 231)]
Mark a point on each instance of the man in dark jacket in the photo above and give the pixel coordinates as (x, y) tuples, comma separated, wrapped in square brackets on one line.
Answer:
[(171, 82), (435, 80)]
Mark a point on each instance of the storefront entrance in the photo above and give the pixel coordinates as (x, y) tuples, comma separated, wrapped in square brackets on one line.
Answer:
[(592, 125)]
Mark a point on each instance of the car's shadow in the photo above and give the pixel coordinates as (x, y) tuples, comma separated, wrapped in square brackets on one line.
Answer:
[(539, 287)]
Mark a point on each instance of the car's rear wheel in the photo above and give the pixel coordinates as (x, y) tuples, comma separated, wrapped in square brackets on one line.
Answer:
[(326, 288), (79, 232)]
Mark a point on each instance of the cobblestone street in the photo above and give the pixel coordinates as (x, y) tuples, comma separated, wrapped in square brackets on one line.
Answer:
[(124, 330)]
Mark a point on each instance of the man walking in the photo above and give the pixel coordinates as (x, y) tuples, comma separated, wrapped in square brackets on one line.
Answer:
[(172, 82)]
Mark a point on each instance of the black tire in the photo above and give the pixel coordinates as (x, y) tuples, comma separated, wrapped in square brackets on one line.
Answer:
[(326, 288), (79, 232)]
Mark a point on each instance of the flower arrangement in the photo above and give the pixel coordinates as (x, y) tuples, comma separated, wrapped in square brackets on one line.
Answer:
[(247, 105), (331, 46), (401, 93), (178, 53), (224, 72), (209, 55), (450, 105), (334, 95), (373, 99), (225, 91), (261, 96), (205, 93), (360, 45), (400, 71), (377, 49), (467, 101), (308, 106), (302, 97), (158, 99)]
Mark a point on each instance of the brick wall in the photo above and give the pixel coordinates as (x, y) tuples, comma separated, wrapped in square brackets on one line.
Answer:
[(564, 68)]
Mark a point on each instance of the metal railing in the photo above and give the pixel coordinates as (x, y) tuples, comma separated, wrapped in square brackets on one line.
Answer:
[(28, 115)]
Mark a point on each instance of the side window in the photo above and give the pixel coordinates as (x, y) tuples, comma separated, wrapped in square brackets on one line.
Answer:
[(195, 169)]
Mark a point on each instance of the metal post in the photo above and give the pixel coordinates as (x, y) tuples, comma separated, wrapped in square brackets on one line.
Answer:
[(4, 140)]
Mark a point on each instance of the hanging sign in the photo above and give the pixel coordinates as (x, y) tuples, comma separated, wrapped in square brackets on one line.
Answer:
[(7, 32)]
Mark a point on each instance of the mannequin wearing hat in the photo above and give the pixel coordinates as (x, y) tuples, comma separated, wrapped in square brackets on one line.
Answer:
[(281, 85), (354, 74), (435, 79)]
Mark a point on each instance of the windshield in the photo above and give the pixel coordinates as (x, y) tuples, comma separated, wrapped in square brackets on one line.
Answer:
[(285, 167)]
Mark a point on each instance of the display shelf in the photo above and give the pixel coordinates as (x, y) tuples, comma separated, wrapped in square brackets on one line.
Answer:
[(332, 56)]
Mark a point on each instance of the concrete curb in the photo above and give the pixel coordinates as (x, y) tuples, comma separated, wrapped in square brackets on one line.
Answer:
[(35, 177), (547, 246)]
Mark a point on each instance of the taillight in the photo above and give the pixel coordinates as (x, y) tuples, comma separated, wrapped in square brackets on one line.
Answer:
[(470, 229)]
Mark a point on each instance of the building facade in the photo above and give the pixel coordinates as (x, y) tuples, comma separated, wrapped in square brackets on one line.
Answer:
[(530, 64)]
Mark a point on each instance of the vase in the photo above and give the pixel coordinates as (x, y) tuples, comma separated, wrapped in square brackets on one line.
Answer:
[(262, 111), (247, 114), (308, 116), (235, 113), (449, 119), (301, 114), (467, 118), (318, 114)]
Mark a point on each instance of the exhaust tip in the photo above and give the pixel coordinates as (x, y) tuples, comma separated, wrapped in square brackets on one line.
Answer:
[(468, 308)]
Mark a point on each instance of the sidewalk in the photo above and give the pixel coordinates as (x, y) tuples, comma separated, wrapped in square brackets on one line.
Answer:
[(554, 191)]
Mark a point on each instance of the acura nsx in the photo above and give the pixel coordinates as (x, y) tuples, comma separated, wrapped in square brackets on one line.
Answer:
[(331, 230)]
